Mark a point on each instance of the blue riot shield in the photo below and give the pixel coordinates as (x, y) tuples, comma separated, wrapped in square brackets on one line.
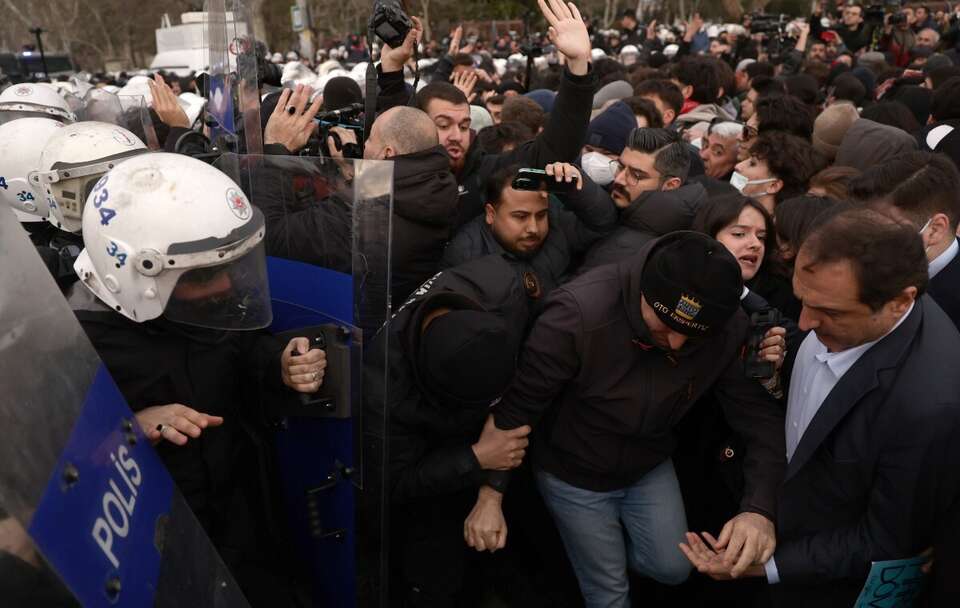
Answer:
[(88, 513), (328, 242)]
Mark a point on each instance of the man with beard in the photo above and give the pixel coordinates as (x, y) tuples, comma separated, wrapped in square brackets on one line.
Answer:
[(651, 194), (447, 106), (518, 223)]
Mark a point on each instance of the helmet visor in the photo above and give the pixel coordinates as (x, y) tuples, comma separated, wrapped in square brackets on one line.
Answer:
[(231, 296)]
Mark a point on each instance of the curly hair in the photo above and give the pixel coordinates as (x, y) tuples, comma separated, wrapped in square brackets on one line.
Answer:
[(790, 159)]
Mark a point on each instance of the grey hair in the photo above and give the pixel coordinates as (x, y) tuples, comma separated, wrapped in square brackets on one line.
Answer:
[(726, 129)]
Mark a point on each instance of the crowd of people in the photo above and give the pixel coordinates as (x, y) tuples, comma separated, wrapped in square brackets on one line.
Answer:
[(676, 307)]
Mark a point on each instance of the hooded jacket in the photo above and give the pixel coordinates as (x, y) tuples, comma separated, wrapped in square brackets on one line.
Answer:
[(651, 215), (702, 113), (310, 224), (868, 143), (586, 216), (424, 209), (608, 401), (430, 438)]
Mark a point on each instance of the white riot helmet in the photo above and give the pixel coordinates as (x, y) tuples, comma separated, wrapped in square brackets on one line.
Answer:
[(170, 235), (72, 162), (31, 100), (21, 144)]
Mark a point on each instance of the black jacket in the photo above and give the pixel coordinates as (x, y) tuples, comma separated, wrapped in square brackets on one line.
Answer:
[(651, 215), (586, 216), (215, 372), (309, 220), (609, 403), (945, 290), (430, 453), (865, 482), (424, 209), (561, 140)]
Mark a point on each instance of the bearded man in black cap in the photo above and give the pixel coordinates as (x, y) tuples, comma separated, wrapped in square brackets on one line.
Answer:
[(615, 360), (452, 352)]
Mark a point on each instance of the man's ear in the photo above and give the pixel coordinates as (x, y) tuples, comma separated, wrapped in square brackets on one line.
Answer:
[(671, 184), (490, 212), (775, 186), (389, 152), (687, 91)]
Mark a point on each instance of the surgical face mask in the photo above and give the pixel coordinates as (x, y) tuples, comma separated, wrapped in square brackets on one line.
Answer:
[(597, 167), (740, 181)]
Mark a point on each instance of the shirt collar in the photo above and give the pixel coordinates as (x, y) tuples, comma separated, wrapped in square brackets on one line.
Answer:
[(841, 362), (940, 262)]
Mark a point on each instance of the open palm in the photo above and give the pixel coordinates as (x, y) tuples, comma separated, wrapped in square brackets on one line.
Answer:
[(567, 30)]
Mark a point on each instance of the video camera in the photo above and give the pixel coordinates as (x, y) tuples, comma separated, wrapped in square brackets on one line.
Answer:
[(763, 23), (348, 117), (877, 13)]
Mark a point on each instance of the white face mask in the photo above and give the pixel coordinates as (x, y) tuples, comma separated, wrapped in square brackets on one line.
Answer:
[(597, 167), (740, 181)]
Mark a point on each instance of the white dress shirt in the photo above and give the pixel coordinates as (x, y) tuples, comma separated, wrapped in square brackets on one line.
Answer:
[(815, 373), (940, 262)]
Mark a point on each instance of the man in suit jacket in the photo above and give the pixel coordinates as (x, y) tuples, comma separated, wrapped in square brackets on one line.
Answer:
[(873, 404)]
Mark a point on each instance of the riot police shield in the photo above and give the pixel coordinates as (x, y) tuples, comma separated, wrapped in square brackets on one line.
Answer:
[(232, 79), (328, 238), (127, 111), (90, 515)]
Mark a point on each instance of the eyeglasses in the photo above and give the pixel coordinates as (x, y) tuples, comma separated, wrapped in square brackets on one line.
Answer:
[(632, 177)]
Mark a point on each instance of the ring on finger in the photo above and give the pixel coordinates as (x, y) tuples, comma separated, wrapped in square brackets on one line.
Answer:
[(291, 110), (160, 428)]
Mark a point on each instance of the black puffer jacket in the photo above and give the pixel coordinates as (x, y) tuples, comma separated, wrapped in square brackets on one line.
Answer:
[(424, 209), (430, 439), (309, 220), (584, 217), (651, 215)]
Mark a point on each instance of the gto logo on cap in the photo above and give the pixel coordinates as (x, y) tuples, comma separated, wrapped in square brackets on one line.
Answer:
[(688, 308), (23, 91), (238, 204)]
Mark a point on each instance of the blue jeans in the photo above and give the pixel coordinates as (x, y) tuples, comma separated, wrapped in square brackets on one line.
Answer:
[(640, 525)]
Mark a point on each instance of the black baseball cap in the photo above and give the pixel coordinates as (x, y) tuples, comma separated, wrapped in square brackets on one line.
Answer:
[(692, 282)]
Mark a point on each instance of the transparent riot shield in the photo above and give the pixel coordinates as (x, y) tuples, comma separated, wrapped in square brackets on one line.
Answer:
[(233, 87), (127, 111), (89, 514), (136, 114), (328, 242)]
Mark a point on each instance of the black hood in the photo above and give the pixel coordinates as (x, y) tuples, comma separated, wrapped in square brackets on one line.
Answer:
[(424, 189), (660, 212)]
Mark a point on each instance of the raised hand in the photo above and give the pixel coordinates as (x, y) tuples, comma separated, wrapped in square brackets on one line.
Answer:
[(165, 103), (455, 37), (465, 81), (291, 123), (568, 33)]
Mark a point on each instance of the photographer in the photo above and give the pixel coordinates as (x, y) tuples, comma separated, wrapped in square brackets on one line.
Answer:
[(898, 37), (856, 32), (561, 139)]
